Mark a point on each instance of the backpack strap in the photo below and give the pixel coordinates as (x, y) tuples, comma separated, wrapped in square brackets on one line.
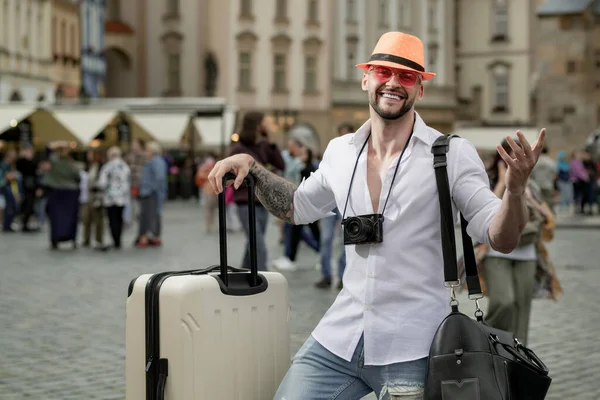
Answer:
[(440, 148)]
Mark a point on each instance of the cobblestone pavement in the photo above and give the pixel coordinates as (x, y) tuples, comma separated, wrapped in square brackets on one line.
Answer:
[(62, 314)]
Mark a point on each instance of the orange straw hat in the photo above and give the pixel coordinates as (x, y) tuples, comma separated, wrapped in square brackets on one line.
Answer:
[(399, 50)]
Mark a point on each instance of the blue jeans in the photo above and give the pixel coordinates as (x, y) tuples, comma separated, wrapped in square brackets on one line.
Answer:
[(40, 209), (317, 374), (307, 237), (262, 217), (328, 227), (11, 208), (566, 193)]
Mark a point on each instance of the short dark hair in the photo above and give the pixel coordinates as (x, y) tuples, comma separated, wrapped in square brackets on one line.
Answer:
[(250, 123)]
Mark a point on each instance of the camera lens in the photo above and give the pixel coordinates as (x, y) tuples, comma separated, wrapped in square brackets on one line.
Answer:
[(354, 227)]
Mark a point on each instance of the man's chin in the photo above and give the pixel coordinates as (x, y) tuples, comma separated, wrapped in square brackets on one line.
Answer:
[(390, 114)]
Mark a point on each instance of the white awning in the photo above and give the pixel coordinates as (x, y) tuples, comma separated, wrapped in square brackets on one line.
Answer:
[(486, 138), (85, 125), (209, 128), (13, 114), (166, 128)]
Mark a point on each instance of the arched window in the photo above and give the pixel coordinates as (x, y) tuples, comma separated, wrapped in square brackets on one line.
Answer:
[(500, 20), (384, 13), (313, 11), (500, 87)]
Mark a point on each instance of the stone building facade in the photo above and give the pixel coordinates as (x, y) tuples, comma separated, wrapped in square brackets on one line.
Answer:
[(66, 49), (568, 90), (25, 51)]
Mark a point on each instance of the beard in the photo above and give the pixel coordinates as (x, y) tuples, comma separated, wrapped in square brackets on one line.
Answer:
[(391, 115)]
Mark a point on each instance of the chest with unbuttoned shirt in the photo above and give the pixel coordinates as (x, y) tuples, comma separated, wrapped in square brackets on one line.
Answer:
[(394, 292)]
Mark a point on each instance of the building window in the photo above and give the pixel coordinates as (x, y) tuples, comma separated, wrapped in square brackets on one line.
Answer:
[(310, 74), (246, 8), (433, 56), (281, 9), (500, 21), (401, 12), (29, 24), (54, 35), (500, 100), (597, 60), (73, 43), (17, 31), (383, 13), (245, 71), (113, 10), (431, 16), (571, 67), (5, 24), (404, 13), (279, 78), (173, 70), (313, 11), (63, 38), (173, 7), (350, 10), (351, 66), (40, 27)]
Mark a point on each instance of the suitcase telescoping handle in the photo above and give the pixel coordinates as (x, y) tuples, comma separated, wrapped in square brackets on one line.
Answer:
[(239, 283)]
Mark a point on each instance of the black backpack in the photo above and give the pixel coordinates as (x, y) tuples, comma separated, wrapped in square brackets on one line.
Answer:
[(469, 360)]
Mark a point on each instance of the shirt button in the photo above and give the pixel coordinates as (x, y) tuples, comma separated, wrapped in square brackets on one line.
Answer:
[(370, 275), (367, 308)]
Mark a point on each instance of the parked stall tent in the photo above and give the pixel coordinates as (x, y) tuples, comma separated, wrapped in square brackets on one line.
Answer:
[(169, 121)]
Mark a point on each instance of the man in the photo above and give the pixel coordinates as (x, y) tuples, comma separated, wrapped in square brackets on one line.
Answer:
[(136, 160), (294, 166), (28, 168), (9, 189), (377, 334), (544, 174), (328, 228)]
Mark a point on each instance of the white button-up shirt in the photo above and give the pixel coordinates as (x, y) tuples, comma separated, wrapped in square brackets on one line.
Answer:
[(394, 291)]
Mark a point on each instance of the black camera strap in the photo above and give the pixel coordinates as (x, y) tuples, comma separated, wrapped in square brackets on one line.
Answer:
[(393, 177)]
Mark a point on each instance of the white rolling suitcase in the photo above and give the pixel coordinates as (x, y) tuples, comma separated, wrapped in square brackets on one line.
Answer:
[(220, 333)]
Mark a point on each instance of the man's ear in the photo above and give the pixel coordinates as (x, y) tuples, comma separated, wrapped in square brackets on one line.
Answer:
[(421, 92), (363, 83)]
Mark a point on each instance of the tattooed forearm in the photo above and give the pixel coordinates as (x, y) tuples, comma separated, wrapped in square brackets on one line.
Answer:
[(274, 192)]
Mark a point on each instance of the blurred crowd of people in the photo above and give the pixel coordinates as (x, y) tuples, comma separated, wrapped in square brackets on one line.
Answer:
[(66, 192), (567, 183)]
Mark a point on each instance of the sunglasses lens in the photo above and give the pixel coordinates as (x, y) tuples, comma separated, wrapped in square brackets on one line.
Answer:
[(383, 73), (407, 79)]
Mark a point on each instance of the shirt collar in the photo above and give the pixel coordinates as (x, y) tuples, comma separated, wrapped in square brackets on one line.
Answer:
[(420, 131)]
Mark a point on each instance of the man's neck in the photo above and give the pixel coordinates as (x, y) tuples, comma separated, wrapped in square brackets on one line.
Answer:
[(388, 138)]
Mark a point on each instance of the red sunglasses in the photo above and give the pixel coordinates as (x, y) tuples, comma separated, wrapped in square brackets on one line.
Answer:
[(384, 74)]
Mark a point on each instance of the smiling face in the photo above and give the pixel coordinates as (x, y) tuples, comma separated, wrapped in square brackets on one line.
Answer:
[(392, 92)]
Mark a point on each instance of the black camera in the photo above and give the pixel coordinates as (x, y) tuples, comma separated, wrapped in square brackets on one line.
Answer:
[(363, 229)]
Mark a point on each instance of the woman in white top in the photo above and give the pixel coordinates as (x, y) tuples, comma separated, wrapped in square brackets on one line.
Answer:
[(510, 278), (115, 181)]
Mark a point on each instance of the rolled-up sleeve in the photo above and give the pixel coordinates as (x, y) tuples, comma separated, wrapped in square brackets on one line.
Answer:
[(314, 198), (471, 190)]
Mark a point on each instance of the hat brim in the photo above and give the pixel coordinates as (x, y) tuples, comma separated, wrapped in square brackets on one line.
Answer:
[(425, 75)]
